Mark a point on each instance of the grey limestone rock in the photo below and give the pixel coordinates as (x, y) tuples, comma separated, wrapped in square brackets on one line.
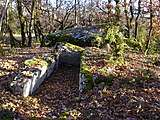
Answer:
[(23, 82), (71, 58), (69, 54), (26, 82), (82, 82)]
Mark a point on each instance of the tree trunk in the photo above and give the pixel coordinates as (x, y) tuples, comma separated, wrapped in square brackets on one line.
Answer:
[(131, 11), (35, 30), (109, 11), (9, 30), (2, 16), (127, 18), (75, 21), (38, 25), (31, 23), (22, 22), (136, 20), (118, 12), (56, 4), (12, 38), (151, 25)]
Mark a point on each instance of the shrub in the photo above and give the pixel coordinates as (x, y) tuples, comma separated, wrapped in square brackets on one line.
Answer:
[(117, 40)]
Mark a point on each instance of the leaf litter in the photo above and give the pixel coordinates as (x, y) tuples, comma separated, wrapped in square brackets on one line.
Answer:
[(133, 94)]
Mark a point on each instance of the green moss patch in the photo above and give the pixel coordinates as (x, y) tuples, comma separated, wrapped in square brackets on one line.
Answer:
[(83, 36), (88, 76), (35, 63), (73, 47), (53, 38)]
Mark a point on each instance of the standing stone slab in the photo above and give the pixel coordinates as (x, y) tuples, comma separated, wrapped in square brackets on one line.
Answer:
[(71, 58), (82, 82), (69, 53), (90, 78)]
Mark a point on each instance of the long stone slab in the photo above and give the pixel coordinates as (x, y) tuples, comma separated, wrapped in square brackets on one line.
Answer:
[(26, 82)]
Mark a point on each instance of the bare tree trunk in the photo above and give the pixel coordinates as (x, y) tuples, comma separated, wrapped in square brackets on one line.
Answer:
[(75, 21), (38, 25), (109, 11), (151, 25), (131, 10), (2, 16), (26, 26), (22, 22), (35, 30), (12, 38), (127, 18), (118, 12), (136, 20), (56, 4), (31, 23)]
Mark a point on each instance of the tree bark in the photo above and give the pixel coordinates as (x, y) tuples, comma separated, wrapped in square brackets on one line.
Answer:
[(136, 20), (75, 21), (132, 14), (151, 25), (38, 25), (109, 11), (2, 16), (127, 18), (22, 22), (118, 12), (31, 23), (12, 38)]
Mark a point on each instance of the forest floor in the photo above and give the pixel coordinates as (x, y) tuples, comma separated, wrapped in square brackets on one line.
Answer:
[(135, 96)]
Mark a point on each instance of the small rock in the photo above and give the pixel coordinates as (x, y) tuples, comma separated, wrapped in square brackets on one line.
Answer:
[(91, 114), (54, 117), (47, 97)]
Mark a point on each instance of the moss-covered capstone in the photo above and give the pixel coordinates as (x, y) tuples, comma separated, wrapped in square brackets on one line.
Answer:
[(84, 36)]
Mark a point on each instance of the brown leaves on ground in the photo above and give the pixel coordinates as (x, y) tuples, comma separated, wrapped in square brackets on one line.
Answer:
[(133, 94)]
